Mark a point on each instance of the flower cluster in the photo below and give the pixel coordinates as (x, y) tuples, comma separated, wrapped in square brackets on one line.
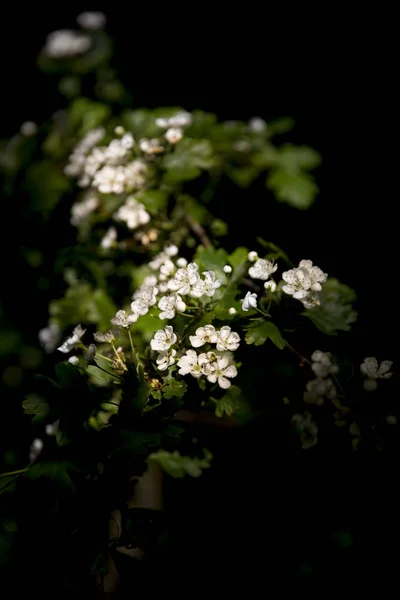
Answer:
[(306, 428), (217, 368), (373, 371), (304, 283), (322, 386), (66, 43), (224, 338), (133, 213)]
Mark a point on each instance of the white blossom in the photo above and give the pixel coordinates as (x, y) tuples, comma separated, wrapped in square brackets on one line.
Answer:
[(307, 429), (29, 128), (109, 239), (66, 43), (171, 250), (262, 269), (71, 342), (206, 286), (116, 152), (257, 125), (167, 268), (174, 135), (35, 450), (184, 279), (106, 337), (74, 360), (373, 371), (181, 119), (119, 130), (52, 428), (49, 337), (127, 141), (133, 213), (110, 180), (81, 210), (270, 285), (232, 311), (135, 175), (163, 339), (181, 262), (227, 269), (92, 20), (204, 335), (249, 301), (304, 282), (227, 339), (188, 363), (151, 146), (317, 389), (169, 305), (252, 256), (122, 319), (162, 257), (218, 370), (165, 359), (322, 364)]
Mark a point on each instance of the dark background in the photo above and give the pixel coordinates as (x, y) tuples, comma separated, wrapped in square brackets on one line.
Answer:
[(271, 519)]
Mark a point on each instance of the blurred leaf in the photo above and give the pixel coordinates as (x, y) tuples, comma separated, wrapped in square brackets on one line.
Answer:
[(296, 188), (104, 307), (85, 114), (46, 186), (259, 332), (243, 176), (201, 124), (293, 157), (187, 160), (56, 471), (177, 465), (35, 405), (153, 200), (282, 125), (335, 313), (67, 374), (210, 259)]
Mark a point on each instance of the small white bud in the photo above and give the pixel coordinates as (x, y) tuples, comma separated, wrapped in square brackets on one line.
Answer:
[(227, 269), (174, 135), (28, 128), (73, 360), (232, 311), (181, 262), (119, 130), (270, 285), (252, 256)]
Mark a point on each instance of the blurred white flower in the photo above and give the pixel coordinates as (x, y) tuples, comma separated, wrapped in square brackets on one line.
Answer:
[(181, 262), (82, 209), (227, 269), (66, 43), (49, 337), (28, 128), (307, 430), (373, 371), (133, 213), (174, 135), (35, 450), (74, 360), (152, 146), (71, 342), (257, 125), (106, 337), (109, 239), (232, 311), (92, 20), (252, 256), (249, 301), (52, 428)]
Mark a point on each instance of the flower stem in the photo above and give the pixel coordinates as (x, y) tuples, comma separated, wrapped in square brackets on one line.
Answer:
[(302, 358), (108, 372), (10, 473), (186, 315), (105, 357), (119, 360), (262, 312), (134, 355)]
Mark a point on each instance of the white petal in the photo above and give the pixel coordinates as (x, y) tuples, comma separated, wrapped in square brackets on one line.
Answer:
[(223, 383)]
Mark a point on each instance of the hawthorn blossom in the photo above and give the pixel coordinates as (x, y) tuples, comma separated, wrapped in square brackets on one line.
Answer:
[(143, 298), (52, 428), (206, 286), (151, 146), (133, 213), (218, 370), (49, 337), (110, 180), (174, 135), (317, 389), (165, 359), (92, 20), (249, 301), (227, 269), (181, 262), (232, 311), (307, 429), (35, 450), (122, 319), (181, 119), (109, 239), (167, 268), (270, 285), (184, 279), (257, 125), (262, 269), (81, 210), (66, 43), (71, 342), (204, 335), (322, 364), (373, 371), (188, 363), (304, 282), (252, 256), (169, 305), (29, 128), (163, 339), (73, 360), (227, 339), (106, 337)]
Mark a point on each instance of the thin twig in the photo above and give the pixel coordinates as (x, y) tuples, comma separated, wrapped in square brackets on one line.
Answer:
[(302, 358), (199, 231)]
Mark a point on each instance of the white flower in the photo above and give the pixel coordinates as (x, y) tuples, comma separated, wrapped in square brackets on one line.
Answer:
[(115, 152), (119, 130), (106, 337), (227, 269), (167, 268), (171, 250), (169, 305), (182, 119), (227, 339), (163, 123), (181, 262), (304, 282), (270, 285), (151, 146), (28, 128), (35, 450), (49, 337), (144, 297), (262, 269), (74, 360), (133, 213), (373, 371), (110, 179), (109, 239), (91, 20), (165, 359), (322, 364), (317, 389), (307, 429), (252, 256), (52, 428), (66, 43), (160, 258), (184, 279), (174, 135), (127, 141), (257, 125), (163, 339), (206, 286), (122, 319), (81, 210), (232, 311), (71, 342), (135, 175), (219, 370), (150, 280), (249, 301), (204, 335), (188, 363)]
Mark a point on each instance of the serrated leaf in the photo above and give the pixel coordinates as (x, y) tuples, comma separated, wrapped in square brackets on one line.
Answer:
[(210, 259), (335, 313), (56, 471), (259, 333), (296, 188), (173, 388), (35, 405), (229, 402), (177, 465), (187, 160)]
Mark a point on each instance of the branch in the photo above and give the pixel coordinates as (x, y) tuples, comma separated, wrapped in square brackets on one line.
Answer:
[(199, 231)]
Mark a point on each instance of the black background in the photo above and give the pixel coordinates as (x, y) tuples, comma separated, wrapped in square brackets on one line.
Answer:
[(333, 72)]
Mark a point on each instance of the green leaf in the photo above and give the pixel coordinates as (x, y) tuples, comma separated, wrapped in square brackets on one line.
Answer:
[(67, 374), (56, 471), (260, 332), (104, 309), (238, 260), (177, 465), (296, 188), (293, 157), (210, 259), (201, 124), (229, 402), (46, 186), (35, 405), (153, 200), (173, 388), (101, 378), (243, 176), (282, 125), (187, 160), (186, 205), (84, 115), (335, 313)]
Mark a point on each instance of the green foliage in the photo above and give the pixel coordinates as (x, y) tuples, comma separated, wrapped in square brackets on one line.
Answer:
[(35, 405), (83, 304), (173, 387), (187, 161), (296, 188), (153, 200), (239, 263), (46, 186), (335, 313), (229, 403), (210, 259), (56, 471), (258, 332), (84, 115), (177, 465)]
